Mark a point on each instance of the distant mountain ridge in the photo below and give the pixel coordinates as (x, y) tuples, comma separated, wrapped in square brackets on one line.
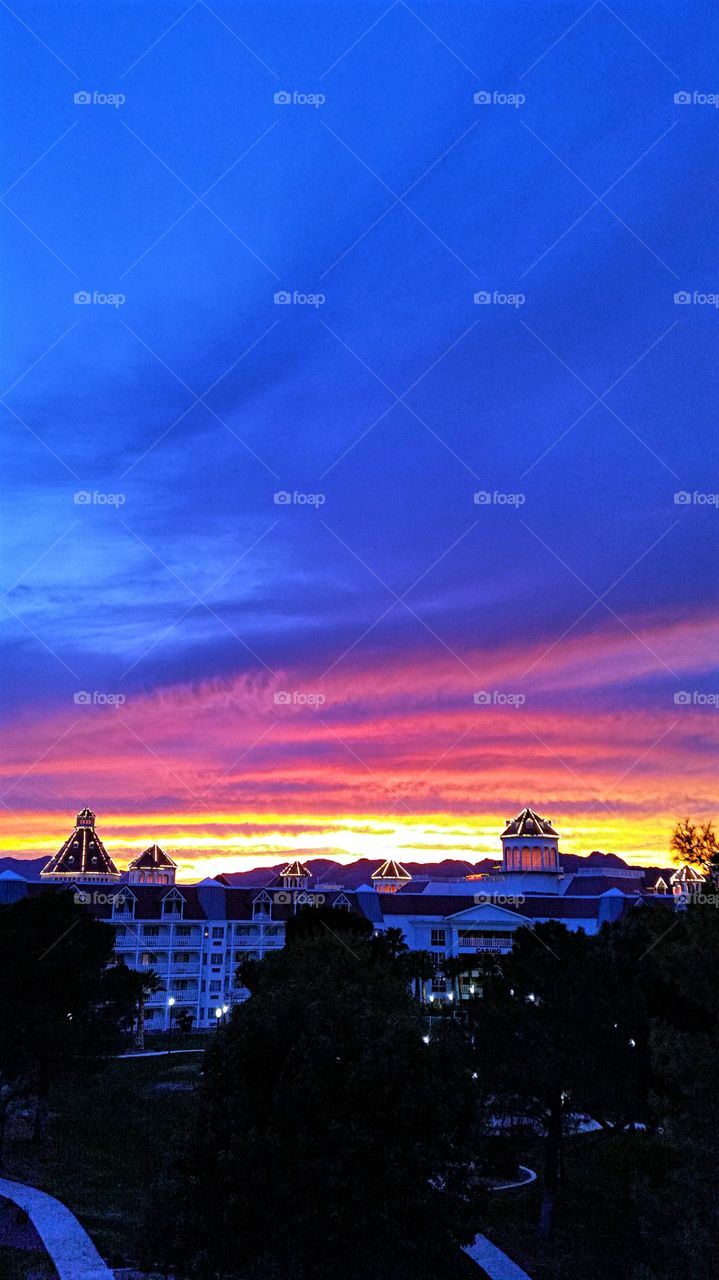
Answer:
[(353, 874), (29, 868), (360, 872)]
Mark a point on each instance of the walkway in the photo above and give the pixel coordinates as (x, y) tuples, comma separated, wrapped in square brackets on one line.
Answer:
[(497, 1265), (68, 1244)]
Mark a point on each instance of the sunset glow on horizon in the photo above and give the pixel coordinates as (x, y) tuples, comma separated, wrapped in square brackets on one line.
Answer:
[(372, 495)]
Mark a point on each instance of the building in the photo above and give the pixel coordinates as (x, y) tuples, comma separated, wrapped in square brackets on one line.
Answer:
[(83, 857), (195, 936)]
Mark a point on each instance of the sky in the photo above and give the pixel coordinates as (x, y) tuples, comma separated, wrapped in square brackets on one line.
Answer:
[(359, 451)]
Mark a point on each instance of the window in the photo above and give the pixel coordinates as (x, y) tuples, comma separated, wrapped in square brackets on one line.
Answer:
[(183, 931), (439, 983), (172, 906), (218, 931), (216, 986), (152, 930), (216, 959), (438, 937)]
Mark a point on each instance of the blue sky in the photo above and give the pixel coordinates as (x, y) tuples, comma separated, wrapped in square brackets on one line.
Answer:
[(397, 199)]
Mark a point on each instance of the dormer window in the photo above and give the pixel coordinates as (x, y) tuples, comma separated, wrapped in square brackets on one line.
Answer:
[(262, 907), (173, 904), (123, 905)]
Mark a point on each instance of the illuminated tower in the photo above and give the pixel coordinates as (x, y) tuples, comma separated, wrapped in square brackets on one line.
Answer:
[(152, 867), (390, 877), (530, 843), (83, 859)]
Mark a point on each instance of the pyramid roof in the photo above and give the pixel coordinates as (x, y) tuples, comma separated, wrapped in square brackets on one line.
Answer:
[(83, 853), (529, 823)]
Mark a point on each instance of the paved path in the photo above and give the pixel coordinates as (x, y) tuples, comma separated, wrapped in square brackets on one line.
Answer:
[(158, 1053), (68, 1244), (497, 1265)]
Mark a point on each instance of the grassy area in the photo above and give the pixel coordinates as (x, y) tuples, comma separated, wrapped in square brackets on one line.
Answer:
[(25, 1264), (111, 1136), (598, 1232)]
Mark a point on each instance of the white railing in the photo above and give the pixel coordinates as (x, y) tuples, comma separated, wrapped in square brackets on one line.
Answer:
[(181, 967), (484, 944)]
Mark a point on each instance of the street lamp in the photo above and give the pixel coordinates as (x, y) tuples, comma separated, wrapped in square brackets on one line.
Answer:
[(170, 1005), (218, 1015)]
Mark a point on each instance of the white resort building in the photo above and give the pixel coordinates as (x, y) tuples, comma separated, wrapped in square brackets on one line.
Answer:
[(194, 936)]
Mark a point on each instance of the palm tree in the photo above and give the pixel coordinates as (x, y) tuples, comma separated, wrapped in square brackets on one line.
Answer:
[(422, 967), (453, 967), (147, 983)]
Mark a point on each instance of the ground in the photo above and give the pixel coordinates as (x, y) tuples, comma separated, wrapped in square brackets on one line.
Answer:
[(598, 1236), (110, 1136)]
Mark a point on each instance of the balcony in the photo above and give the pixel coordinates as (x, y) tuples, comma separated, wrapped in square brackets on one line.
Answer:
[(485, 944), (180, 968), (187, 944)]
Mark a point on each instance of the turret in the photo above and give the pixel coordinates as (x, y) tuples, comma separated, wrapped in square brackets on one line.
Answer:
[(530, 843)]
